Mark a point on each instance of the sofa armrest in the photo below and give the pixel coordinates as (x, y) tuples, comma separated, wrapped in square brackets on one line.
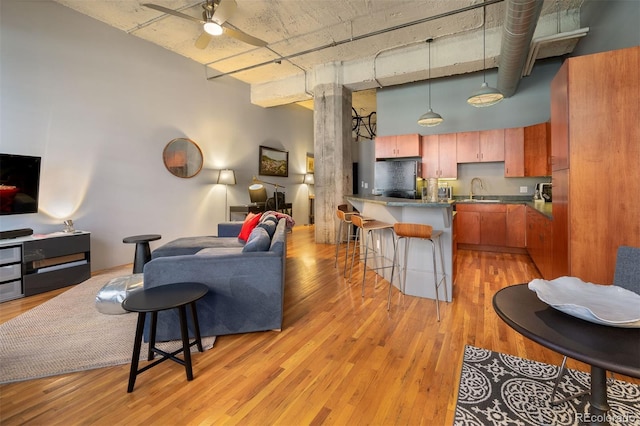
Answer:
[(229, 229)]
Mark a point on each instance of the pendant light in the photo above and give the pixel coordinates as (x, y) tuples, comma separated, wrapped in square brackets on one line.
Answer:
[(430, 118), (486, 95)]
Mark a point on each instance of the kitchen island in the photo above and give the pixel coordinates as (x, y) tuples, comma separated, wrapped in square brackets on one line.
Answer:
[(419, 266)]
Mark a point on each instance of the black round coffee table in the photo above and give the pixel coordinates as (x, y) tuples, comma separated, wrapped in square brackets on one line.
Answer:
[(143, 252), (170, 296)]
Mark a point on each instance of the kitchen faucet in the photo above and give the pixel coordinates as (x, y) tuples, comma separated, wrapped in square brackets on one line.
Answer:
[(474, 180)]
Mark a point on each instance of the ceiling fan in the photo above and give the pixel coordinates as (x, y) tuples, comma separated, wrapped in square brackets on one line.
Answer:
[(215, 14)]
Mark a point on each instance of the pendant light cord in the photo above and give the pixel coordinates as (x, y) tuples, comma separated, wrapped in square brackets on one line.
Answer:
[(484, 44), (429, 40)]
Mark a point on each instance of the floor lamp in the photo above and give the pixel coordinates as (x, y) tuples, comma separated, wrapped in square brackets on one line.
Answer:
[(256, 183), (226, 177)]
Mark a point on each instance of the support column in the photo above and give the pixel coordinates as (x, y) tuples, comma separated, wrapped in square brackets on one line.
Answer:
[(332, 156)]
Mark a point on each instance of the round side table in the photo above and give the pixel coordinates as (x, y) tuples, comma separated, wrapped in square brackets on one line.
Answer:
[(153, 300), (143, 252)]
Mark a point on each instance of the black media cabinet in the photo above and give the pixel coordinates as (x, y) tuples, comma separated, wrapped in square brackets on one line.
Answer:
[(40, 263)]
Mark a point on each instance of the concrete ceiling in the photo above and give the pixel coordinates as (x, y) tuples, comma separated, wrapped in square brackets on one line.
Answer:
[(363, 44)]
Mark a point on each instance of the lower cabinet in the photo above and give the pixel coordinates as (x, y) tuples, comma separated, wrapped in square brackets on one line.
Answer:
[(540, 242), (497, 227)]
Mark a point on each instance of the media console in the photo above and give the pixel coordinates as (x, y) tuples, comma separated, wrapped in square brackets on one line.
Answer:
[(39, 263)]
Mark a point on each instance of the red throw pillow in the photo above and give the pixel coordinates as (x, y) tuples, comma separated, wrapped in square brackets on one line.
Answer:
[(249, 223)]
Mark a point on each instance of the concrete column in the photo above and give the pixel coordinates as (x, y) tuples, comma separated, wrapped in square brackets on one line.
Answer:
[(332, 155)]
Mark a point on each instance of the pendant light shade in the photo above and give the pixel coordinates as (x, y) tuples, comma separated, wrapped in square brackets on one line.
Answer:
[(430, 118), (486, 95)]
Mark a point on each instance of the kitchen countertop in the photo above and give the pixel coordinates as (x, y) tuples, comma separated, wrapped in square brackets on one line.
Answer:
[(398, 202)]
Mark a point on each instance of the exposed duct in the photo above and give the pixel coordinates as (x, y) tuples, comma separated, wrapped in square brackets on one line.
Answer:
[(521, 18)]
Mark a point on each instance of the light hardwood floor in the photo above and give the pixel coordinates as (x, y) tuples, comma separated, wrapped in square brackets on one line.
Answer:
[(340, 359)]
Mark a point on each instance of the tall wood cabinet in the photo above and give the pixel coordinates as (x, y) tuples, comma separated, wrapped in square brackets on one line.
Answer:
[(595, 111)]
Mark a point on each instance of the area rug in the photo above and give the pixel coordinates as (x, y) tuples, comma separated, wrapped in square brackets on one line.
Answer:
[(499, 389), (67, 334)]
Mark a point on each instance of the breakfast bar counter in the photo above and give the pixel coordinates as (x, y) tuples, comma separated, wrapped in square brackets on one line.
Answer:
[(419, 270)]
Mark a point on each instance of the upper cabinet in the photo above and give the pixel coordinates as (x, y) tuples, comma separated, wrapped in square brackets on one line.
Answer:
[(480, 146), (526, 151), (439, 156), (398, 146)]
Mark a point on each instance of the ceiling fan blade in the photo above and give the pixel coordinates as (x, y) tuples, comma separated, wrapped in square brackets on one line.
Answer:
[(173, 12), (237, 34), (224, 10), (203, 41)]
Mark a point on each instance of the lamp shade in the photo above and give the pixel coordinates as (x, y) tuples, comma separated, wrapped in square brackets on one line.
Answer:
[(227, 177), (485, 96), (308, 179), (430, 119)]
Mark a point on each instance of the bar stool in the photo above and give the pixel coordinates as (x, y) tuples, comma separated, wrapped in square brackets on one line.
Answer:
[(425, 232), (344, 218), (368, 226)]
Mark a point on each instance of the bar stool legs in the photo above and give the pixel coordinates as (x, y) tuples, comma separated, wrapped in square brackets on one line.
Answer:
[(368, 227), (344, 218), (406, 231)]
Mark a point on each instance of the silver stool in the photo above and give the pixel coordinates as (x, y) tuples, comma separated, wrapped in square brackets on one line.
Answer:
[(344, 218), (425, 232), (368, 227)]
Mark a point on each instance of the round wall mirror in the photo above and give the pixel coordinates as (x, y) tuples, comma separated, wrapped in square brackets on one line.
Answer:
[(182, 157)]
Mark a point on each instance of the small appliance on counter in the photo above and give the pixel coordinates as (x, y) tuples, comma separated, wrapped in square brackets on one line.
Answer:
[(544, 191)]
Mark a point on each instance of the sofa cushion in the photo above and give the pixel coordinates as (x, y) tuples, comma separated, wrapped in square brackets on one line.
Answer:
[(192, 245), (269, 217), (278, 241), (249, 223), (219, 251), (259, 240)]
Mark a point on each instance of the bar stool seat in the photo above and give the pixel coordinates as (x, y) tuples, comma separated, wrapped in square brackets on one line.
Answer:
[(344, 220), (407, 231), (369, 227)]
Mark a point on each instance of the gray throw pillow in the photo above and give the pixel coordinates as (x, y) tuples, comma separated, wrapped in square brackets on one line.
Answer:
[(269, 226), (258, 240)]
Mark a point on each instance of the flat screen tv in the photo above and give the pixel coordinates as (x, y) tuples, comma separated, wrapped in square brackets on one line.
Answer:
[(19, 184)]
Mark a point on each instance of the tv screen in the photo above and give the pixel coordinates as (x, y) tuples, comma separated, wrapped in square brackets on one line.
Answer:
[(19, 184)]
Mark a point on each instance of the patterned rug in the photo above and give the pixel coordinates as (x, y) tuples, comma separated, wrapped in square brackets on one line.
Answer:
[(499, 389), (67, 334)]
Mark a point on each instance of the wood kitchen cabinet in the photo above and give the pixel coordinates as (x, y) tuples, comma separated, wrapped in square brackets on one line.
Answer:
[(398, 146), (526, 151), (439, 156), (516, 225), (484, 225), (480, 146), (595, 168), (540, 242)]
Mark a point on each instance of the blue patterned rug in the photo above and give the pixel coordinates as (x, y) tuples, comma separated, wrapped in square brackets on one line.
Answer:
[(498, 389)]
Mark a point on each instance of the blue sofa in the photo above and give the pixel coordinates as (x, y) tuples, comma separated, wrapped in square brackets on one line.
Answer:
[(246, 281)]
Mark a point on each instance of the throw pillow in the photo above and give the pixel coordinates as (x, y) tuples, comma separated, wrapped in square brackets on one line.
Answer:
[(247, 226), (258, 241), (269, 226)]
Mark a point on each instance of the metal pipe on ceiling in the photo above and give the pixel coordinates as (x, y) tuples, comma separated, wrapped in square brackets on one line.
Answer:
[(360, 37), (521, 18)]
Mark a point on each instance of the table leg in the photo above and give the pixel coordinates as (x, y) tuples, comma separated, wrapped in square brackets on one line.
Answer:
[(185, 341), (142, 256), (133, 372), (152, 335), (196, 326), (599, 405)]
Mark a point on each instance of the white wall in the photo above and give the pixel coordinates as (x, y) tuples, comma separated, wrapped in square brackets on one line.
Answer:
[(99, 106)]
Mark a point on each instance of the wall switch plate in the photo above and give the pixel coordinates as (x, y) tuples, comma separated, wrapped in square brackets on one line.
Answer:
[(523, 189), (362, 184), (366, 185)]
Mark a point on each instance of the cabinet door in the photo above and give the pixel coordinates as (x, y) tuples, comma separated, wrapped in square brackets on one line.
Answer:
[(385, 146), (492, 145), (468, 227), (429, 156), (408, 145), (493, 227), (536, 161), (516, 225), (560, 120), (447, 156), (468, 147), (514, 152)]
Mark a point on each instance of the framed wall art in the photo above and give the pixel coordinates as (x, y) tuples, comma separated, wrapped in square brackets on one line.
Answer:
[(273, 162), (310, 166)]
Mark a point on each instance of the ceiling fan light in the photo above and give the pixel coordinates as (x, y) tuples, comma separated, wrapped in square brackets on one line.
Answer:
[(213, 28), (430, 119), (485, 96)]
